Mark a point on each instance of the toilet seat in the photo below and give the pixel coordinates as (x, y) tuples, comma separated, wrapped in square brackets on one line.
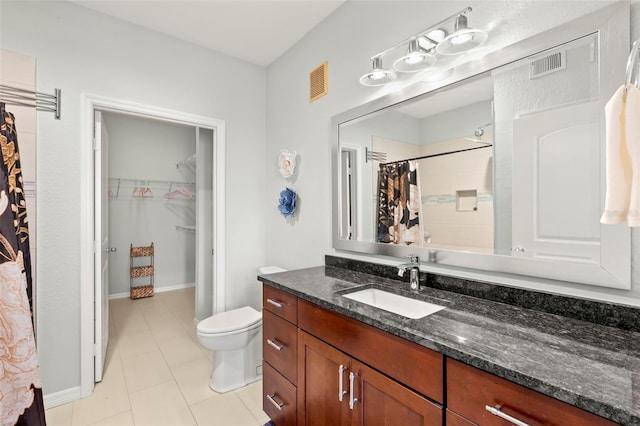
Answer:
[(230, 321)]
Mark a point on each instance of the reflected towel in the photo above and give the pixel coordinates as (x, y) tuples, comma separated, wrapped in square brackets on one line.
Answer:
[(620, 161), (632, 132)]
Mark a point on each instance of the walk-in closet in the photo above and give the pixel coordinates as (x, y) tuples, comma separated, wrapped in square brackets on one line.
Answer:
[(159, 193)]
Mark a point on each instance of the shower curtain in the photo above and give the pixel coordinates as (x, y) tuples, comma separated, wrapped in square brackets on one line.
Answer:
[(20, 387), (399, 204)]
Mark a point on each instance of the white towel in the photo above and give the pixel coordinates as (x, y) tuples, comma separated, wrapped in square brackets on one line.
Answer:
[(632, 132), (619, 157)]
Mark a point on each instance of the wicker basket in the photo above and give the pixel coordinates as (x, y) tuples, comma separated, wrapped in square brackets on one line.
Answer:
[(141, 271), (141, 251), (141, 291)]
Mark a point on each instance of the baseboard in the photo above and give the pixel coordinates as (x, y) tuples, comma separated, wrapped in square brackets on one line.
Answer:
[(63, 397), (156, 290)]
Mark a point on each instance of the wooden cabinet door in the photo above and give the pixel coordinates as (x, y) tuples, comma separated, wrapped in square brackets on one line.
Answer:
[(383, 401), (319, 381)]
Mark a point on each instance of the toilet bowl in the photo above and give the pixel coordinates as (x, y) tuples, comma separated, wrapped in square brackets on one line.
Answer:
[(235, 337)]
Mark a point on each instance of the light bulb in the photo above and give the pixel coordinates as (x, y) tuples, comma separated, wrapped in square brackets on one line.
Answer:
[(461, 39), (413, 59)]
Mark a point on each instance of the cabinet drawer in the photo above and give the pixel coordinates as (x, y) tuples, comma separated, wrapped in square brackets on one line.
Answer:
[(470, 390), (417, 367), (280, 345), (280, 303), (278, 397)]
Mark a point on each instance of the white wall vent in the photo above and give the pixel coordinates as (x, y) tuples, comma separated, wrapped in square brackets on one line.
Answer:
[(547, 64)]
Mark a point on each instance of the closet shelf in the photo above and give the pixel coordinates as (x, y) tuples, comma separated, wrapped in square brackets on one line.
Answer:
[(189, 163), (126, 188)]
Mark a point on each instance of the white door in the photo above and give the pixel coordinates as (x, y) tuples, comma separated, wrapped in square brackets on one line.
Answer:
[(101, 244), (555, 153)]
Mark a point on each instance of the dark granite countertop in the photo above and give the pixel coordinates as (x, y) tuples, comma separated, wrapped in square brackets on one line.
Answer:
[(591, 366)]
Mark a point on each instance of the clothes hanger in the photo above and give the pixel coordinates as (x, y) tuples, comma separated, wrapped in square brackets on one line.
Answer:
[(180, 193)]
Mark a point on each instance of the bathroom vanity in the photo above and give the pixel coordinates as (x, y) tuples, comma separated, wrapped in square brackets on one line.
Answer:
[(332, 360)]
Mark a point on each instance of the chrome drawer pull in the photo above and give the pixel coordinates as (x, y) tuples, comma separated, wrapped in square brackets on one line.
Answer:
[(273, 343), (341, 391), (352, 400), (272, 399), (275, 302), (497, 411)]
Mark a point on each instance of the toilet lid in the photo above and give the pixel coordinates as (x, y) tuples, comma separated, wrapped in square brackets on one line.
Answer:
[(235, 319)]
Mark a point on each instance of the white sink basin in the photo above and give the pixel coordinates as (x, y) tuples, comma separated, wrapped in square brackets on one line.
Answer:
[(395, 303)]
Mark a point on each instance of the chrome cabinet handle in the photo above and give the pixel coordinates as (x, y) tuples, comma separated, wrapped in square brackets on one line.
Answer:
[(341, 391), (273, 343), (497, 411), (275, 302), (272, 399), (352, 399)]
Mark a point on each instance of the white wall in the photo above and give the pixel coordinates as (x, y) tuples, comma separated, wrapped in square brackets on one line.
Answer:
[(346, 39), (459, 123), (81, 51), (149, 150)]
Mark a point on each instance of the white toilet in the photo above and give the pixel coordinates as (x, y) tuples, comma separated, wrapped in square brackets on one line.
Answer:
[(236, 338)]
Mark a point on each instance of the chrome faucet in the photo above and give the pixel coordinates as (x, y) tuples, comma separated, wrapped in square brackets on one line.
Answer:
[(414, 271)]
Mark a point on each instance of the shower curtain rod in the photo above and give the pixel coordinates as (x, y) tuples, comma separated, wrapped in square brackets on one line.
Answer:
[(38, 100), (437, 155)]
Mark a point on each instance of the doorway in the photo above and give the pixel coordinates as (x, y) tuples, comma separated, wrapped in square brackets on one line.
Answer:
[(210, 139)]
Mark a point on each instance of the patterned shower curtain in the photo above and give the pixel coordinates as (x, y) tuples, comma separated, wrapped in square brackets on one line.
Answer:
[(399, 204), (20, 388)]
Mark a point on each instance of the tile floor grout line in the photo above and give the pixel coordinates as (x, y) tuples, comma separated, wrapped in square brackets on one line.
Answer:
[(246, 406), (126, 385)]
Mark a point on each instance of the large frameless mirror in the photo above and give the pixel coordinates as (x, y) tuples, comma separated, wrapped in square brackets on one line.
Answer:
[(500, 167)]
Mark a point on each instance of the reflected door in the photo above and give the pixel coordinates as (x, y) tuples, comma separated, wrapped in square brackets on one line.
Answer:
[(556, 184)]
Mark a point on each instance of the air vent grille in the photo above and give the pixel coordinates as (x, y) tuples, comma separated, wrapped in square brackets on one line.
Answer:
[(548, 64), (318, 82)]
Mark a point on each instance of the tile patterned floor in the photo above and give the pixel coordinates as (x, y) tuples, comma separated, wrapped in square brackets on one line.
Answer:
[(157, 373)]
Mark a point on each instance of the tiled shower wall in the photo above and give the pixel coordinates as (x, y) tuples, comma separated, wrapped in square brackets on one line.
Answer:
[(20, 71), (457, 198)]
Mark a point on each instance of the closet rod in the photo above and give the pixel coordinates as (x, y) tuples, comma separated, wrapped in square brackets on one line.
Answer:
[(38, 100), (633, 65)]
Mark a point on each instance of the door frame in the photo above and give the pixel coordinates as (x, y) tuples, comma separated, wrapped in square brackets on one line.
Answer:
[(89, 104)]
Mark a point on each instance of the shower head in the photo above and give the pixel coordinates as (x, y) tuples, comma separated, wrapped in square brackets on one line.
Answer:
[(478, 133)]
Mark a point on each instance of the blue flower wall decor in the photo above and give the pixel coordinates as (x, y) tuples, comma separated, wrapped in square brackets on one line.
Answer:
[(287, 204)]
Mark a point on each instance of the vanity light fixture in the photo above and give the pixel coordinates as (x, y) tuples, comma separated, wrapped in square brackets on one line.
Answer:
[(423, 47), (378, 76), (462, 39), (415, 60)]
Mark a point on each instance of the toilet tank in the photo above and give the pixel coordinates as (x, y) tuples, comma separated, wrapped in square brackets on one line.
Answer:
[(271, 269)]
